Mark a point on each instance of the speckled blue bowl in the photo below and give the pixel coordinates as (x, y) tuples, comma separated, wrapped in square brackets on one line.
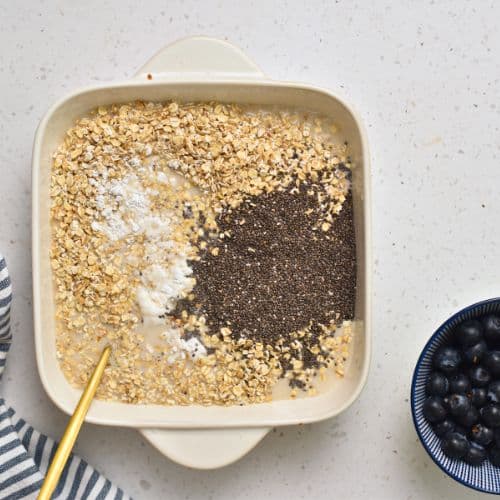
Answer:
[(486, 477)]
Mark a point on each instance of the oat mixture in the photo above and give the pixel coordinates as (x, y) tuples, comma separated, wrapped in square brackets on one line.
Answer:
[(210, 245)]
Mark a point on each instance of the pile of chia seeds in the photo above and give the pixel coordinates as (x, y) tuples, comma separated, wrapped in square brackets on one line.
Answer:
[(276, 271)]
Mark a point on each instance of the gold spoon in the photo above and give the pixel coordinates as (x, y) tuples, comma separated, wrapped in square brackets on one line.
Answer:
[(71, 433)]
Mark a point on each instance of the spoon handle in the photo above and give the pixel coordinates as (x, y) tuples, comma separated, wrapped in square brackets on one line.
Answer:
[(71, 433)]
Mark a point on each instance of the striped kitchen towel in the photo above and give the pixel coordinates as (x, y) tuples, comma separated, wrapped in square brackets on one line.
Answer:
[(25, 454)]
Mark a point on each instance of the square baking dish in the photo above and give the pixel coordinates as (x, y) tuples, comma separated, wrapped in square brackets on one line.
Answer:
[(200, 69)]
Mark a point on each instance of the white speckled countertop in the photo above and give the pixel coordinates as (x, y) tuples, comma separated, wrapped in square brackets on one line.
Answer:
[(426, 80)]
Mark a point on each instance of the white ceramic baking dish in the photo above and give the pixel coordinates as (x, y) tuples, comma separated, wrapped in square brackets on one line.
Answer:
[(201, 69)]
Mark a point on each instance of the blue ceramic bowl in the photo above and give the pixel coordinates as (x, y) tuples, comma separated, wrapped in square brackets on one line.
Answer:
[(485, 477)]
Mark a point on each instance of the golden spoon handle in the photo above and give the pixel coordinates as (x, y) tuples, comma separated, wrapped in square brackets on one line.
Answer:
[(71, 433)]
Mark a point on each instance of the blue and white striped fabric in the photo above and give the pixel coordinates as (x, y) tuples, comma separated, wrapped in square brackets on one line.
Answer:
[(25, 454)]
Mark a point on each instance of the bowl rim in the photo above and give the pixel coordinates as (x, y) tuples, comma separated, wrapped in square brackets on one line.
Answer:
[(95, 416), (188, 61), (418, 365)]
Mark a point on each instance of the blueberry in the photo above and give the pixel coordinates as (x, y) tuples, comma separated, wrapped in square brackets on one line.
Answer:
[(434, 409), (474, 354), (437, 384), (469, 419), (491, 415), (492, 362), (458, 404), (476, 454), (459, 384), (442, 428), (491, 324), (494, 392), (455, 445), (447, 359), (469, 332), (494, 456), (478, 396), (479, 377), (496, 436), (481, 434), (461, 430)]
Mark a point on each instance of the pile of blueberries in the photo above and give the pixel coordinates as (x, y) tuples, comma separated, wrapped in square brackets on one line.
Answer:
[(463, 392)]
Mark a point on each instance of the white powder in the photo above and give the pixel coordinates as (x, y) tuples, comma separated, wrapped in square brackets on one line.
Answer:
[(124, 205), (125, 209), (180, 347), (162, 287)]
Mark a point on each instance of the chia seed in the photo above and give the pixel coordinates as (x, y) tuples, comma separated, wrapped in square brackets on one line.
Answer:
[(277, 272)]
